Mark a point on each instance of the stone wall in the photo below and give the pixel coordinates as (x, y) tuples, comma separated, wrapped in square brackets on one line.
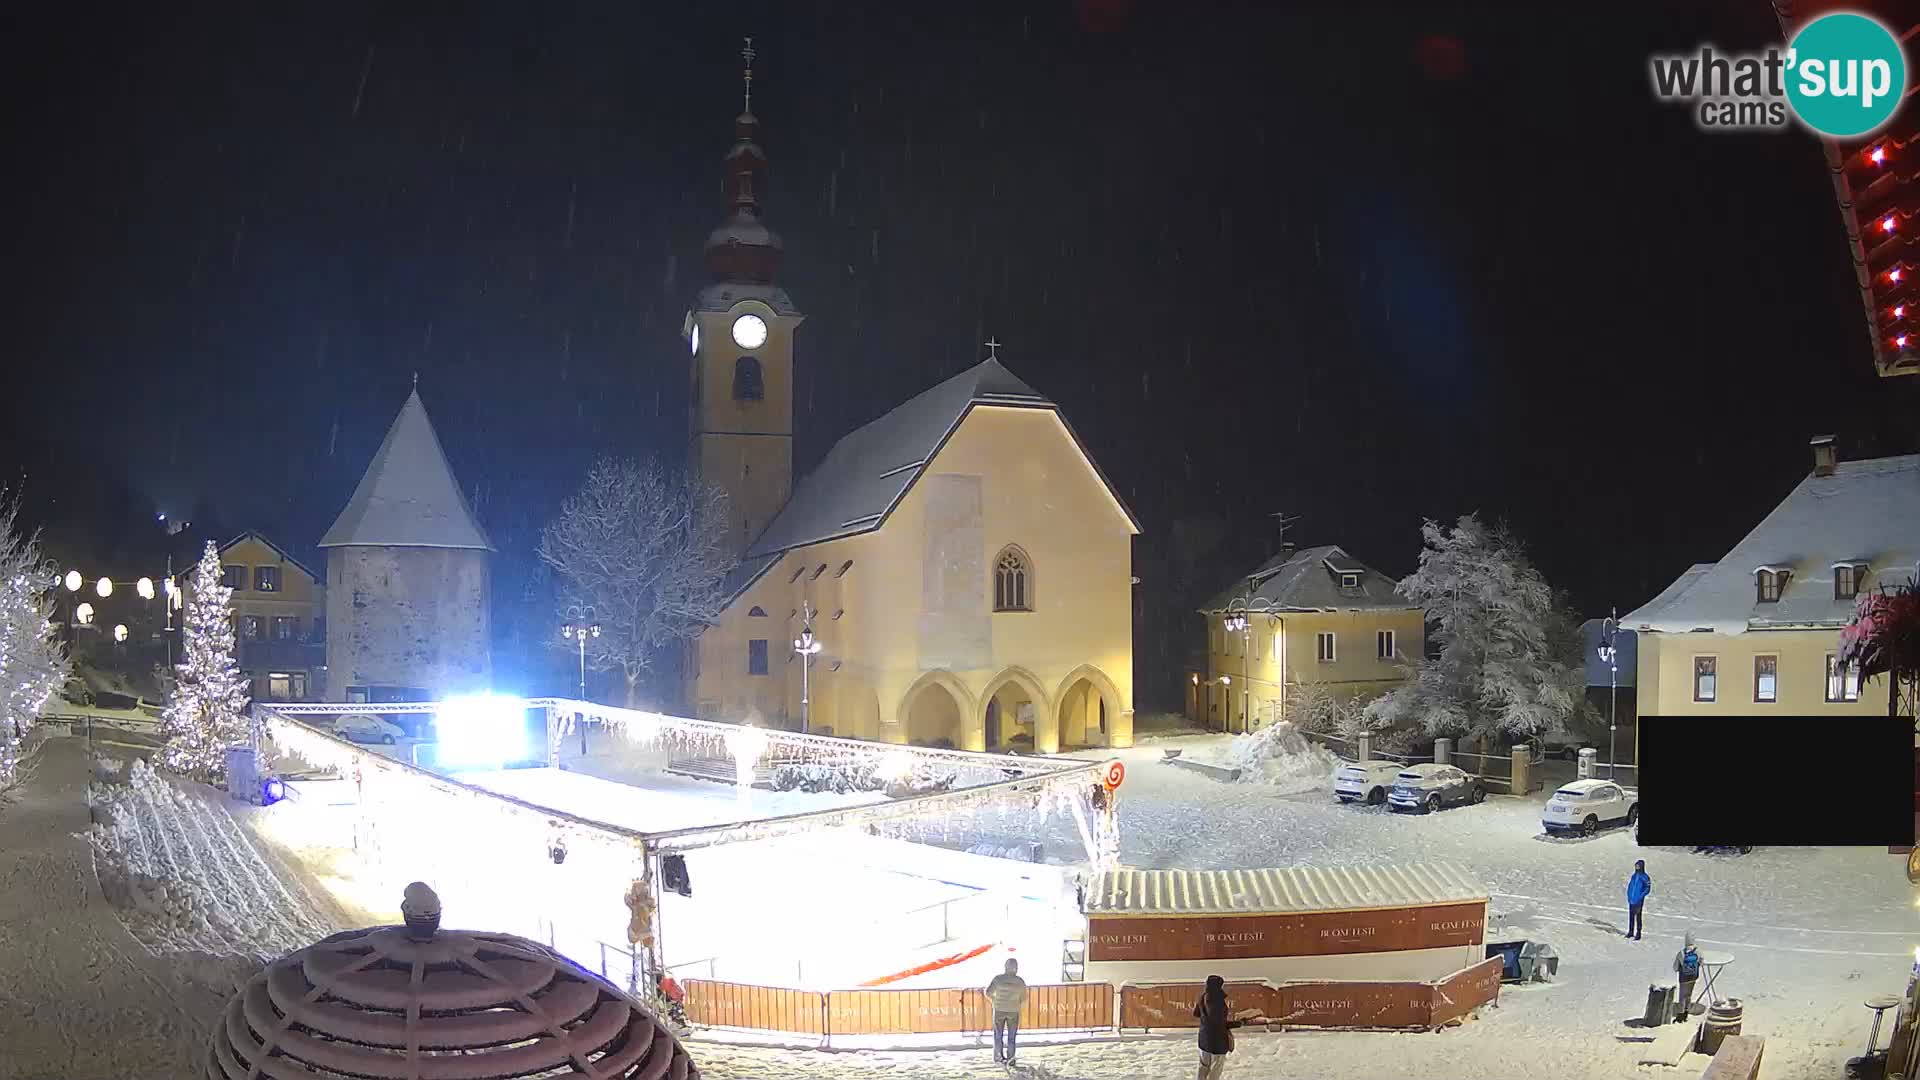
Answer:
[(408, 617)]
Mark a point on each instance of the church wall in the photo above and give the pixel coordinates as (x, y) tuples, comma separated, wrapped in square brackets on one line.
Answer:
[(408, 617)]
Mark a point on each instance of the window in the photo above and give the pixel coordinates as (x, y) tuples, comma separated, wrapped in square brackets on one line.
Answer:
[(1771, 582), (746, 380), (797, 571), (285, 627), (1278, 648), (286, 685), (252, 628), (233, 577), (837, 612), (1704, 678), (821, 569), (1012, 584), (844, 567), (1324, 646), (356, 695), (1846, 582), (266, 579), (1349, 581), (1766, 678), (756, 612), (757, 656), (1842, 685), (1383, 644)]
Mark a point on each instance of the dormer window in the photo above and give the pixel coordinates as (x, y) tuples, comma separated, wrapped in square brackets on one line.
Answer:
[(1771, 581), (1349, 581), (1846, 579)]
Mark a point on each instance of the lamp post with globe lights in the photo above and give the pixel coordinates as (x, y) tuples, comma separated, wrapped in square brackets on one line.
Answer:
[(807, 646), (580, 626), (1610, 656)]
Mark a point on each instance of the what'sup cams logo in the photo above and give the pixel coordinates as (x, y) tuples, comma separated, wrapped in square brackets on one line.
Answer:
[(1843, 75)]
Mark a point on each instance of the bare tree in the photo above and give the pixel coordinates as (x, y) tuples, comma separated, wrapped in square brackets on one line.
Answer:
[(646, 549)]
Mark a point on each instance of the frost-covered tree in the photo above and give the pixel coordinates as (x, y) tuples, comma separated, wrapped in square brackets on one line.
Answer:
[(1504, 665), (32, 664), (206, 713), (645, 548)]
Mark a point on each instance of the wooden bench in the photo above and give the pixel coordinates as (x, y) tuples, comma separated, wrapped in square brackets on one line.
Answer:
[(1738, 1059)]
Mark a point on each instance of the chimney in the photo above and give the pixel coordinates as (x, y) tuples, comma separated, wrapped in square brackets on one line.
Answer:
[(1825, 455)]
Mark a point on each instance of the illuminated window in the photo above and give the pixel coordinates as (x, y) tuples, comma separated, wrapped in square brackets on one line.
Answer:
[(1766, 678), (266, 579), (1705, 679), (1012, 581), (1843, 684), (252, 628), (285, 627)]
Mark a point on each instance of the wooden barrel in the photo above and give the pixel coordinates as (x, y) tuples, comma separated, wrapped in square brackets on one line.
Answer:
[(1722, 1020)]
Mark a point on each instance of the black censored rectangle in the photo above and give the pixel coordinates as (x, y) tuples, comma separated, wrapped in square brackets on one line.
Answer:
[(1827, 781)]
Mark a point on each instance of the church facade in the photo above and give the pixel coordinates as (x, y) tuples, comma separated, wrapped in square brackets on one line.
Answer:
[(961, 566)]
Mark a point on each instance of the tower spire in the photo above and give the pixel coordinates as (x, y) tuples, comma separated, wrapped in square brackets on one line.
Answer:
[(747, 54), (743, 249)]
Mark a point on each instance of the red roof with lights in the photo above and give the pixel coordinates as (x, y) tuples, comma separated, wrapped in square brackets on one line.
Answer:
[(1877, 180)]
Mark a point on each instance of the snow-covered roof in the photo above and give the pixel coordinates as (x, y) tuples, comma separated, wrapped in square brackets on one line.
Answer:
[(869, 471), (722, 295), (408, 497), (743, 230), (1296, 888), (1867, 511), (1309, 580)]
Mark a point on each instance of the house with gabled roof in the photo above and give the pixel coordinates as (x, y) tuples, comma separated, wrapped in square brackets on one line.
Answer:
[(959, 565), (279, 618), (1314, 616), (1759, 629), (409, 600)]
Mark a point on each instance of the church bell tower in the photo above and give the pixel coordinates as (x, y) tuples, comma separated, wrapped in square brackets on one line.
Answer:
[(740, 334)]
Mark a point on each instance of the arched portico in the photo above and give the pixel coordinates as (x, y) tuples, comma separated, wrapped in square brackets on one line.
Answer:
[(938, 707), (1088, 711), (1013, 705)]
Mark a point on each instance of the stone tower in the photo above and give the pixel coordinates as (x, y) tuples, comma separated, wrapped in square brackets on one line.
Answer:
[(408, 589), (740, 332)]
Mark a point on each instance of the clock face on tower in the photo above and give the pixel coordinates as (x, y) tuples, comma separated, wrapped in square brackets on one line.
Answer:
[(749, 331), (693, 340)]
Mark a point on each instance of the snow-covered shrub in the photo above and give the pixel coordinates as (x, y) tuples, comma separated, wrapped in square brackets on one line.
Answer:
[(32, 664)]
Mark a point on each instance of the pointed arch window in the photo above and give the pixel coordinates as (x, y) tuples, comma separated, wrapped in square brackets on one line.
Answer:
[(1012, 580), (747, 384)]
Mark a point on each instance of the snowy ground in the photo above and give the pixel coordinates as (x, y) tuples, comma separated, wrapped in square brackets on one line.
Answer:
[(1811, 932)]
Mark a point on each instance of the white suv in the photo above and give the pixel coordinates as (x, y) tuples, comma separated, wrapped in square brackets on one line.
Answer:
[(1365, 781), (1585, 805)]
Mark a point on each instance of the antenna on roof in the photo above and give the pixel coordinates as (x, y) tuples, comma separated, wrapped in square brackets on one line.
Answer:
[(1281, 519), (416, 380)]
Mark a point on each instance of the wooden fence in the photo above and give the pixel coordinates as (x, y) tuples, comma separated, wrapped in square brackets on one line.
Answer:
[(1090, 1006)]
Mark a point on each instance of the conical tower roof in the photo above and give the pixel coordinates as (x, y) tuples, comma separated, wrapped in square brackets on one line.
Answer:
[(408, 498)]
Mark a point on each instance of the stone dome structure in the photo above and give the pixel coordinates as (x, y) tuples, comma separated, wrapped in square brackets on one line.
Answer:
[(419, 1003)]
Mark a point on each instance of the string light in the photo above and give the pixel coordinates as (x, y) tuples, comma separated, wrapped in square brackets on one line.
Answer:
[(1878, 156), (1899, 311), (1900, 342), (1893, 274), (1886, 223)]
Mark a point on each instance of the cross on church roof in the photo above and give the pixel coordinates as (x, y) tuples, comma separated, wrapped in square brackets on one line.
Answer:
[(993, 349), (748, 54)]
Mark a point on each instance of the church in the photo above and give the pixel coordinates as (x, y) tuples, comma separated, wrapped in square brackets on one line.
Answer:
[(957, 572)]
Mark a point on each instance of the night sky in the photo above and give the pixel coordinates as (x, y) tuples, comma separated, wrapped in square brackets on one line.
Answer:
[(1361, 265)]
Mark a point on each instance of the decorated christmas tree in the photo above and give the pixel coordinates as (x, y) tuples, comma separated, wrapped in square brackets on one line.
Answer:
[(206, 713)]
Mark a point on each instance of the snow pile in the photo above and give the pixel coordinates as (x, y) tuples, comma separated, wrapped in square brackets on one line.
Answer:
[(184, 877), (1279, 755)]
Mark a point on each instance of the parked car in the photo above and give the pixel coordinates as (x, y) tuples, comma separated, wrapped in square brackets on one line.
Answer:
[(1559, 745), (368, 728), (1428, 786), (1586, 806), (1365, 781)]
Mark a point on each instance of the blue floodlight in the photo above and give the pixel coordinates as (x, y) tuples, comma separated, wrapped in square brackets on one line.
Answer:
[(272, 790), (482, 731)]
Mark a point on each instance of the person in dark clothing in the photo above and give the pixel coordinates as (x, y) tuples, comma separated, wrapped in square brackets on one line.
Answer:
[(1217, 1022), (1638, 886)]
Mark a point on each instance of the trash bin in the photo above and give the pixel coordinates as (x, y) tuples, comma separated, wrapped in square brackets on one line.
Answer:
[(1509, 954), (243, 773), (1539, 961), (1660, 1005), (1722, 1020)]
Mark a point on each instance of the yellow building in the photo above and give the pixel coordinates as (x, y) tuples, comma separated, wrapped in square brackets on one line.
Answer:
[(1758, 631), (279, 619), (1316, 616), (967, 568)]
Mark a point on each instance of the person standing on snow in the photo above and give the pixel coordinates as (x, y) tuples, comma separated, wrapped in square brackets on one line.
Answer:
[(1686, 964), (1638, 886), (1006, 993), (1217, 1022)]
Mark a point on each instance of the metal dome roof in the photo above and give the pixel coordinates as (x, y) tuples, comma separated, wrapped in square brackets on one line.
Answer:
[(415, 1003)]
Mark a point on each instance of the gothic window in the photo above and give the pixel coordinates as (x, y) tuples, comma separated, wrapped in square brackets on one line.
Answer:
[(1012, 581), (757, 612), (746, 379)]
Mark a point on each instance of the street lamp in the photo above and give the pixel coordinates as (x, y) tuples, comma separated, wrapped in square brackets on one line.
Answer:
[(104, 587), (1610, 656), (73, 581), (578, 629), (808, 648)]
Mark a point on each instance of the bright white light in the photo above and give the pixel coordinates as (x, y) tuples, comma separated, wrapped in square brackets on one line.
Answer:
[(746, 743), (120, 632), (1900, 342), (895, 766), (83, 614), (1886, 223), (482, 731), (1893, 274), (1879, 155), (144, 587), (1899, 311), (170, 586), (104, 587), (73, 581)]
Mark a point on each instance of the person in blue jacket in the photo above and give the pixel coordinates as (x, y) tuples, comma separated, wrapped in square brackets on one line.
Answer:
[(1638, 886)]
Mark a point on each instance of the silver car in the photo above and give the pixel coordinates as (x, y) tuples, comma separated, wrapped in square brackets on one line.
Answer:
[(1427, 787)]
